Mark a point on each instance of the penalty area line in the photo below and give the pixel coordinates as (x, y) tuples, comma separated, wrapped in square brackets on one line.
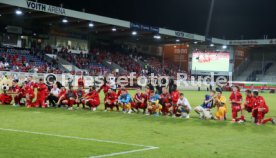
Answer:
[(145, 148)]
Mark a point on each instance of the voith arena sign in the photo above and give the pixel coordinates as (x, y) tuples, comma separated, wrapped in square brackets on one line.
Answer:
[(45, 8)]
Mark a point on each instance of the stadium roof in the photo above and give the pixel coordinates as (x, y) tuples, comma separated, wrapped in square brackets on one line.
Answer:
[(39, 13)]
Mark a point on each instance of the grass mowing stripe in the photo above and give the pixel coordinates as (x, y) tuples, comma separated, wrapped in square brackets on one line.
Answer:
[(89, 139)]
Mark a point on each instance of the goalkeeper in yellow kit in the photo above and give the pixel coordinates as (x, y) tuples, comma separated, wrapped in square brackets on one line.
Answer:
[(220, 104)]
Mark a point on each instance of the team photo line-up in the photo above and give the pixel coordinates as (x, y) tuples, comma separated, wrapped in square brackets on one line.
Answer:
[(165, 101)]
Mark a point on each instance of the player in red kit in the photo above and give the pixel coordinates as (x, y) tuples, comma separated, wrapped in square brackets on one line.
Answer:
[(42, 91), (249, 102), (92, 99), (15, 88), (30, 82), (61, 96), (70, 98), (81, 82), (248, 105), (19, 94), (260, 109), (236, 101), (139, 101), (110, 100), (105, 87), (175, 95), (165, 101), (29, 94), (147, 93), (5, 98)]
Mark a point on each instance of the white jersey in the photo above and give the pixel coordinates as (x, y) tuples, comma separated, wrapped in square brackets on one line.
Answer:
[(112, 84), (183, 102), (55, 91)]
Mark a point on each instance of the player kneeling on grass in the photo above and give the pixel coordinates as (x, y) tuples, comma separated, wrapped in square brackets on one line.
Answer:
[(165, 101), (139, 101), (183, 107), (153, 106), (260, 109), (124, 101), (110, 100), (16, 90), (92, 99), (61, 96), (71, 96), (248, 105), (220, 104), (19, 95), (175, 95), (53, 97), (5, 98), (42, 91), (30, 95), (80, 97), (204, 110), (236, 101)]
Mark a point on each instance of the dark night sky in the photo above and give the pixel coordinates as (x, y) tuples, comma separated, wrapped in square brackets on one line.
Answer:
[(231, 18)]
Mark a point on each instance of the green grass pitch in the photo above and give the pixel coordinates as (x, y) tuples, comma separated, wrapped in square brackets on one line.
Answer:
[(65, 134)]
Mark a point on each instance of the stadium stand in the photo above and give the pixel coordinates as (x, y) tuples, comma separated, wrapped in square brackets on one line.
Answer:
[(21, 60), (260, 66), (127, 62), (90, 62)]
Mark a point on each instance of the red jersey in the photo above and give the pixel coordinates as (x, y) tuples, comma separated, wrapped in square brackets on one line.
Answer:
[(42, 89), (175, 95), (260, 103), (140, 97), (94, 95), (29, 91), (250, 101), (62, 93), (81, 82), (148, 95), (5, 98), (21, 92), (32, 84), (105, 88), (111, 96), (236, 97), (165, 97), (15, 89)]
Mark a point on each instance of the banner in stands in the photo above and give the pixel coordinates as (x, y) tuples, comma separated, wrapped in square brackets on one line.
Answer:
[(64, 79), (45, 8), (256, 85), (177, 54), (252, 42), (141, 27), (184, 35)]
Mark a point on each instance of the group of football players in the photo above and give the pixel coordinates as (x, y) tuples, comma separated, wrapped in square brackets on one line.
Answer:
[(167, 101), (254, 104)]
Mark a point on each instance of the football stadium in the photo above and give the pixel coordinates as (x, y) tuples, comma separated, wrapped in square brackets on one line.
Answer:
[(137, 79)]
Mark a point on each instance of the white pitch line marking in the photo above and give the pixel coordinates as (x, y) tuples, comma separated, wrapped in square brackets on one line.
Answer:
[(124, 152), (90, 139)]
